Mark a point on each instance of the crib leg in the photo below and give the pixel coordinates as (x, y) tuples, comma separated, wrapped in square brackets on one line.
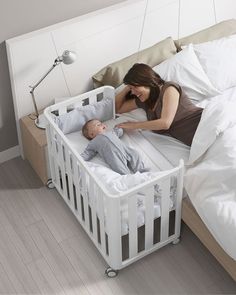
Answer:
[(50, 184), (176, 241), (111, 273)]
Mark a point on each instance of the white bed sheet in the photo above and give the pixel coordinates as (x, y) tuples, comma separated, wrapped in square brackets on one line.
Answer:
[(116, 183)]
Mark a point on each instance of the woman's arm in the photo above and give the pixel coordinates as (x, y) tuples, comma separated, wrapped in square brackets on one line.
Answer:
[(122, 105), (169, 109)]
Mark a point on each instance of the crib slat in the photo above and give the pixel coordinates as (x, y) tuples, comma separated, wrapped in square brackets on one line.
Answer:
[(92, 99), (165, 208), (92, 193), (101, 219), (85, 199), (114, 231), (77, 187), (132, 220), (56, 166), (62, 168), (77, 104), (69, 178), (50, 156), (62, 110), (179, 195), (149, 217)]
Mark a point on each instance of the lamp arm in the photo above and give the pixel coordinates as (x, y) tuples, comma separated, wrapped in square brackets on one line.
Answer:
[(56, 62)]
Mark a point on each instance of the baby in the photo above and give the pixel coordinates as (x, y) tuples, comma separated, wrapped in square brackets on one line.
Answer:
[(114, 152)]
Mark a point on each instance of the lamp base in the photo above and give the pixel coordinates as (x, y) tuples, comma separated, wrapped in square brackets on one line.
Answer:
[(41, 122)]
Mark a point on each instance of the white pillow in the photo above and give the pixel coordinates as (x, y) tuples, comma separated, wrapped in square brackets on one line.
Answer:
[(216, 118), (185, 69), (218, 60), (74, 120)]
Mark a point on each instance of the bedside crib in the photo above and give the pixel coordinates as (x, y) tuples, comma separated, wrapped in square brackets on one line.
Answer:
[(98, 210)]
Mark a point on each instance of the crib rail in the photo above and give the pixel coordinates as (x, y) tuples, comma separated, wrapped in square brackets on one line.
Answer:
[(99, 212), (81, 100)]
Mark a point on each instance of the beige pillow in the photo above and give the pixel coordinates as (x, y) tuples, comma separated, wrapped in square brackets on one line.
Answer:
[(114, 73), (220, 30)]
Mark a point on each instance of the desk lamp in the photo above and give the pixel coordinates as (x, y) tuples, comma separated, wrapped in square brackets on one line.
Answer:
[(68, 57)]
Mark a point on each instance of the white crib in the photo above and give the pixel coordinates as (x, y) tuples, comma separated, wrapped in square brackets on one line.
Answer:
[(97, 210)]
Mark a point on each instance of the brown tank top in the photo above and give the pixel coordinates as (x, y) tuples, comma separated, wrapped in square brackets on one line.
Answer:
[(186, 119)]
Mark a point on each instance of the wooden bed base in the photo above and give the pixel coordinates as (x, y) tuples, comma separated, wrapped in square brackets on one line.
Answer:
[(194, 222)]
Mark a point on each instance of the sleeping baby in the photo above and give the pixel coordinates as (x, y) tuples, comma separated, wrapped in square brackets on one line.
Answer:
[(114, 152)]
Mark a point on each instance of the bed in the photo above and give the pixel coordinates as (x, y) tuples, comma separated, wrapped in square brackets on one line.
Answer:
[(206, 79)]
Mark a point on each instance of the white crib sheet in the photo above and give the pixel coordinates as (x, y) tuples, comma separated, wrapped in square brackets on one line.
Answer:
[(155, 161), (163, 147), (116, 183)]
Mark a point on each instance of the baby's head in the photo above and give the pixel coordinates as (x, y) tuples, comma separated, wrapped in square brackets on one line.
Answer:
[(92, 128)]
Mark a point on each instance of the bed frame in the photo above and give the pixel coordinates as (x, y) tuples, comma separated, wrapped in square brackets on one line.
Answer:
[(194, 222), (98, 39)]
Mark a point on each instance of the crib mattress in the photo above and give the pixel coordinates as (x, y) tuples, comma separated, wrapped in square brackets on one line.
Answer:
[(170, 148), (116, 183), (165, 147)]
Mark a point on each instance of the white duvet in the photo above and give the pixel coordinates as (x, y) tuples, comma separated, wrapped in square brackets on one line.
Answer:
[(210, 179)]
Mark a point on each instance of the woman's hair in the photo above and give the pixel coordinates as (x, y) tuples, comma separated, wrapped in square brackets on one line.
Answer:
[(143, 75)]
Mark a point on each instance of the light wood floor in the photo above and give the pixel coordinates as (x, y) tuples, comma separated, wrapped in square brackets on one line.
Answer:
[(43, 250)]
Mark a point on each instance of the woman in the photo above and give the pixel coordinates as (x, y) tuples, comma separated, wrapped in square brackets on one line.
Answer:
[(169, 111)]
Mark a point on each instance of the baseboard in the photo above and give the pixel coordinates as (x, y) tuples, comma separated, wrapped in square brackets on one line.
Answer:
[(10, 154)]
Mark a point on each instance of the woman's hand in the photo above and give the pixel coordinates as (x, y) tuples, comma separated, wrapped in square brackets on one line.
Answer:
[(121, 104), (128, 125), (158, 124)]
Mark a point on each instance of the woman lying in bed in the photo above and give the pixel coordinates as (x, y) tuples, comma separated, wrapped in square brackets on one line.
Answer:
[(169, 110)]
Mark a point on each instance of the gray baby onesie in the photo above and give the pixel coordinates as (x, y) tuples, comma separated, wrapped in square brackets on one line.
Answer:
[(114, 152)]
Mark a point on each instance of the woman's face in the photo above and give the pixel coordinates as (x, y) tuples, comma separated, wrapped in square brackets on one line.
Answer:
[(142, 92)]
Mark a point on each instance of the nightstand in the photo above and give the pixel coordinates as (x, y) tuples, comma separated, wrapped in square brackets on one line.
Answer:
[(35, 148)]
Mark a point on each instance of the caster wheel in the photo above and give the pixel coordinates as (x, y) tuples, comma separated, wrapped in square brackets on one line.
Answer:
[(111, 273), (175, 242), (50, 184)]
